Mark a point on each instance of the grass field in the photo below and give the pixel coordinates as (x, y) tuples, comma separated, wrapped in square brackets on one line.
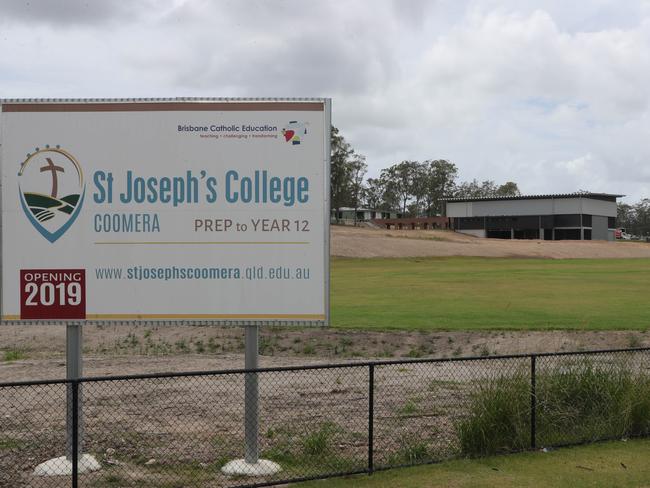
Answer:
[(490, 293), (619, 464)]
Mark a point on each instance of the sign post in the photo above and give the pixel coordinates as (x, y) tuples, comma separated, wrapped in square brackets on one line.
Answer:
[(64, 465), (166, 211), (251, 464), (251, 395)]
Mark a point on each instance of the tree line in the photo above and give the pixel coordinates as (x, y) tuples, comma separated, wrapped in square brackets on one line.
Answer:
[(634, 218), (412, 188)]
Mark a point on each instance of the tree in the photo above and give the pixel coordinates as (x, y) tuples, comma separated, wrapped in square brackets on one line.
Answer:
[(399, 181), (340, 171), (625, 217), (440, 182), (420, 175), (358, 169), (508, 189), (635, 218), (373, 193), (486, 189), (468, 189)]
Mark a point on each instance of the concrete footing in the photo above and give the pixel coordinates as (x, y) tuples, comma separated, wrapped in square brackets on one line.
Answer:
[(61, 466), (240, 467)]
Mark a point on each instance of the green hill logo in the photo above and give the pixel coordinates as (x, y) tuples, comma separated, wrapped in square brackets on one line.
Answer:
[(51, 188)]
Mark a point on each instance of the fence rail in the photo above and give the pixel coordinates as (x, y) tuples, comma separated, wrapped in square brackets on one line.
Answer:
[(319, 421)]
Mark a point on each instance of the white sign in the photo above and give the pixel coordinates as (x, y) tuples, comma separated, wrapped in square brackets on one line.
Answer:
[(212, 211)]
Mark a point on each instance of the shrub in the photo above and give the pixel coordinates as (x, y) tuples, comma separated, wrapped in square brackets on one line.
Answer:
[(410, 450), (319, 442), (498, 419), (586, 402), (576, 402)]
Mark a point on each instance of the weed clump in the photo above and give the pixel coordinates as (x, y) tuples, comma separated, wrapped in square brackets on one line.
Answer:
[(13, 355), (498, 419), (575, 402)]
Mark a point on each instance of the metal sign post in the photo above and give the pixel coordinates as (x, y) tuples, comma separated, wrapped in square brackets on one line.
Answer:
[(251, 465), (66, 465), (251, 395)]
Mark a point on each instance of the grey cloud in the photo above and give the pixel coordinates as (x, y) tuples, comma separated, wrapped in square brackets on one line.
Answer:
[(306, 66), (307, 51), (66, 12), (543, 93)]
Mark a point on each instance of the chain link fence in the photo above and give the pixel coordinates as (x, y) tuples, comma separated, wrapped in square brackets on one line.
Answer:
[(179, 430)]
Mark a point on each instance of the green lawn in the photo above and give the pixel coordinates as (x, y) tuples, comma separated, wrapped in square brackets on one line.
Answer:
[(613, 464), (490, 293)]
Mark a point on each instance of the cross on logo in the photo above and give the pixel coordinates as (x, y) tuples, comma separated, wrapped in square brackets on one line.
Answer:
[(55, 181)]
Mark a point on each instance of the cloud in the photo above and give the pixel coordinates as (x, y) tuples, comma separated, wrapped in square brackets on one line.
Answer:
[(59, 13), (541, 93)]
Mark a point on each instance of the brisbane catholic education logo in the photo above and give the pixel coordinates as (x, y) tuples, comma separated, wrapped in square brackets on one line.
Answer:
[(293, 131), (51, 190)]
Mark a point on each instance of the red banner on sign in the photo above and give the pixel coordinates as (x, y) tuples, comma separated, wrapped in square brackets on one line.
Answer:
[(52, 294)]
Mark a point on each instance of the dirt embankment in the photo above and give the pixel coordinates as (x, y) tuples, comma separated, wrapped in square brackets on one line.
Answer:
[(370, 243)]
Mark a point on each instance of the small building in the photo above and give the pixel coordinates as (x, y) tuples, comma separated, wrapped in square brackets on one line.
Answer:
[(575, 216), (413, 223), (347, 215)]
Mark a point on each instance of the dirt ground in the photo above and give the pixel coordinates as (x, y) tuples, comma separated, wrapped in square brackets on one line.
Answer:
[(38, 352), (180, 431), (361, 242)]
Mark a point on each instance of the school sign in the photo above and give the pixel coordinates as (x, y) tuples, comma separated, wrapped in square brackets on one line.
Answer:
[(211, 210)]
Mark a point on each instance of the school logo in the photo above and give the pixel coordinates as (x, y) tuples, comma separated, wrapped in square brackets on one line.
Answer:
[(293, 131), (51, 189)]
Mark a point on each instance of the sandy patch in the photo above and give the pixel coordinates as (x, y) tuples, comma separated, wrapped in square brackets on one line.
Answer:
[(371, 243)]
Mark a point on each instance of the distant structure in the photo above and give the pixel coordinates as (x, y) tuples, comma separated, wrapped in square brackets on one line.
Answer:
[(387, 219), (350, 216), (414, 223), (573, 216)]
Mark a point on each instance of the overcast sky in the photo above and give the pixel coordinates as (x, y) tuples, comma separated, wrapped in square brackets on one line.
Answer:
[(551, 94)]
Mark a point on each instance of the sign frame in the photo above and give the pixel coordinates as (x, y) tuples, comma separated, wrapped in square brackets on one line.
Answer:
[(181, 104)]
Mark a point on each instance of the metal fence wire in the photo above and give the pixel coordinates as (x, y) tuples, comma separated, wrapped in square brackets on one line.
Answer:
[(179, 430)]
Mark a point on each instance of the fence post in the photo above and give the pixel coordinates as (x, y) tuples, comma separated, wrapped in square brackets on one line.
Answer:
[(371, 417), (75, 433), (533, 402), (74, 370)]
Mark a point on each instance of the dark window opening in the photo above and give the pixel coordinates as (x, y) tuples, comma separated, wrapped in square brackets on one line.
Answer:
[(567, 234), (587, 234), (586, 220), (571, 220), (547, 221), (468, 223), (527, 234), (499, 234)]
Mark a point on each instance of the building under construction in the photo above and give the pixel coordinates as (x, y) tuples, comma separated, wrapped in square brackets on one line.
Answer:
[(575, 216)]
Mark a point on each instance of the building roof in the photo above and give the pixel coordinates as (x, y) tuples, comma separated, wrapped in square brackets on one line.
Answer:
[(610, 197), (363, 209)]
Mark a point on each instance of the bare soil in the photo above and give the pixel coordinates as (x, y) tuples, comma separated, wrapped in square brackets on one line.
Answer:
[(363, 242), (180, 431), (122, 349)]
